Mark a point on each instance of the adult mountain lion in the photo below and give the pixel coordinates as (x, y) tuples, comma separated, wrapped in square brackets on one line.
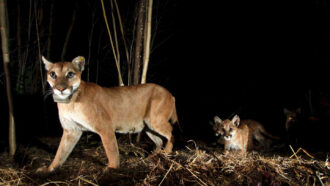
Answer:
[(237, 135), (84, 106)]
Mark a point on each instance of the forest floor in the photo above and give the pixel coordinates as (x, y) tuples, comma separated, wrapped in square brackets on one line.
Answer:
[(194, 164)]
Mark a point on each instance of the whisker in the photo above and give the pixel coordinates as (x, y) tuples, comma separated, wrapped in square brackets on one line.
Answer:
[(47, 93)]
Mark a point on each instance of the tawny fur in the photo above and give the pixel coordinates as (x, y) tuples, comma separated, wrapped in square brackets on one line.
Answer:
[(239, 135), (105, 111)]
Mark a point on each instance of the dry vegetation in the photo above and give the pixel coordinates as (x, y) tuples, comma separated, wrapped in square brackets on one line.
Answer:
[(195, 164)]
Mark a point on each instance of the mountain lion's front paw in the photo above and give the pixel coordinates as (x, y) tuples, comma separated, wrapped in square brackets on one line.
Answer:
[(43, 170)]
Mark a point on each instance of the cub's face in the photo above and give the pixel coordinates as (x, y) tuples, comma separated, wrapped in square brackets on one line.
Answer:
[(64, 78), (227, 128), (291, 117)]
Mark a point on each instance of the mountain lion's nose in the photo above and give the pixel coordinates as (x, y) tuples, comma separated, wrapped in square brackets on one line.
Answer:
[(60, 88)]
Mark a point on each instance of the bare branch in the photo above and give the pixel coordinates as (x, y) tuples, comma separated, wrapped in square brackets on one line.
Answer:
[(112, 46)]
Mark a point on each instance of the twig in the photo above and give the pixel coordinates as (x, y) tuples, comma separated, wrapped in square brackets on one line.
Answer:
[(317, 173), (307, 153), (284, 177), (203, 183), (29, 178), (85, 180), (54, 182), (294, 154), (81, 165), (300, 149), (196, 147), (166, 174), (326, 164), (179, 165)]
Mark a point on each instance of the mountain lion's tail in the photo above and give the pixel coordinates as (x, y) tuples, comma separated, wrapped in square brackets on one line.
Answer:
[(174, 116), (178, 132), (267, 134)]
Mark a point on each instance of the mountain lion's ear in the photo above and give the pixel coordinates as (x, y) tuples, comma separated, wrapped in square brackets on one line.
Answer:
[(47, 63), (286, 111), (217, 119), (236, 120), (79, 62)]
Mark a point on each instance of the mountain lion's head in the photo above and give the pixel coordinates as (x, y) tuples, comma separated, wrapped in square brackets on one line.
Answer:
[(227, 128), (64, 77)]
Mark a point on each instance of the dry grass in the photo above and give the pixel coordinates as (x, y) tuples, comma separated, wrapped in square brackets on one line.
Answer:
[(196, 164)]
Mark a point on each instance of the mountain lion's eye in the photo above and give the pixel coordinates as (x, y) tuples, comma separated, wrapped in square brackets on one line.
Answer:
[(52, 74), (70, 75), (231, 129), (223, 129)]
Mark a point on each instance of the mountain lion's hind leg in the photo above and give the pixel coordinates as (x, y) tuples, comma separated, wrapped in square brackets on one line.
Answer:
[(165, 129), (160, 114), (156, 139)]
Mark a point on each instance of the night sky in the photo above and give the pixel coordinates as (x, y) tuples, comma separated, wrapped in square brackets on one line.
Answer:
[(216, 57)]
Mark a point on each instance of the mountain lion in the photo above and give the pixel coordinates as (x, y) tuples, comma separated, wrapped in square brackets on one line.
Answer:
[(84, 106), (236, 135)]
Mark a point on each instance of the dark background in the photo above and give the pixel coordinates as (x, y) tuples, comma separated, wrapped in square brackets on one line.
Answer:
[(252, 58)]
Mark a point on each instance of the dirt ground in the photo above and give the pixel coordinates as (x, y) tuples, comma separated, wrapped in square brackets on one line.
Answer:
[(193, 164)]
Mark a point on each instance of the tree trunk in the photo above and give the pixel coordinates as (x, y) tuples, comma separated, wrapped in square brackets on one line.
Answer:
[(138, 42), (39, 50), (5, 52), (19, 81), (90, 39), (147, 37), (50, 29), (138, 48), (68, 35)]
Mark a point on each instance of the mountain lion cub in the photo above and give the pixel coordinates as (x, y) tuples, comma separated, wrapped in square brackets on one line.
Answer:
[(238, 135), (84, 106)]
